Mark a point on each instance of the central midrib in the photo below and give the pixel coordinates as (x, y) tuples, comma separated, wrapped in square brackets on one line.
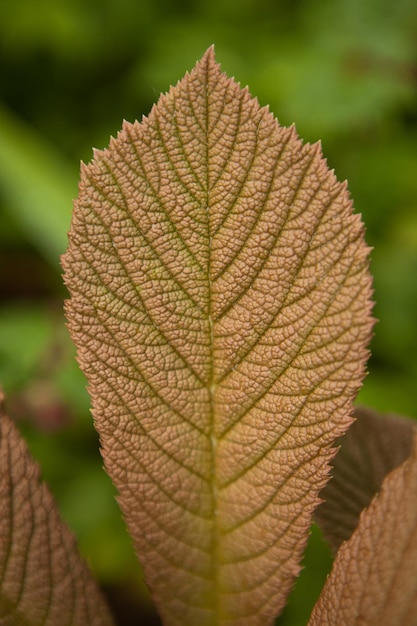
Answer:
[(213, 481), (211, 385)]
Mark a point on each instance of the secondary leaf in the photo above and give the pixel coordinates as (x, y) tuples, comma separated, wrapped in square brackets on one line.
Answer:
[(43, 580), (373, 446), (374, 576), (220, 303)]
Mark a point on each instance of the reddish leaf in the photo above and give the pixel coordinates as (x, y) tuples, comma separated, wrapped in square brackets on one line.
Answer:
[(220, 303), (374, 577), (373, 446), (43, 580)]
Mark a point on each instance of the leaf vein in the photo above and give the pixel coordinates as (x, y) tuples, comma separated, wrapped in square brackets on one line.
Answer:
[(239, 193), (155, 195), (156, 393), (296, 351), (253, 278), (279, 311), (180, 146), (146, 310)]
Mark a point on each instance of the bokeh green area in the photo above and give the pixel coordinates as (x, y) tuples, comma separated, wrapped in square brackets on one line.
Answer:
[(344, 71)]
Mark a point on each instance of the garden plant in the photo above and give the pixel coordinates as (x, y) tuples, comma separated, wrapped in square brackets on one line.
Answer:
[(221, 306)]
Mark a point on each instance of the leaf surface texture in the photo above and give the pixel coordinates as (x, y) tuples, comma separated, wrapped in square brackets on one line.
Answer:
[(374, 445), (43, 580), (374, 576), (220, 303)]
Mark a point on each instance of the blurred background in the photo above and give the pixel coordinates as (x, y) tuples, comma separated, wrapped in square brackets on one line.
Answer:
[(345, 71)]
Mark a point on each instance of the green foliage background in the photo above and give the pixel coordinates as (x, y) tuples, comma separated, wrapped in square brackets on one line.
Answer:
[(345, 71)]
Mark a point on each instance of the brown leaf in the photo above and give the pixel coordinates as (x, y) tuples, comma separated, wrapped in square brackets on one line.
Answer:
[(43, 580), (374, 445), (374, 577), (220, 303)]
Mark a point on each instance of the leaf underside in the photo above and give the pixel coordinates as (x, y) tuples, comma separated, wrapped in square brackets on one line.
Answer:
[(374, 577), (43, 580), (220, 304), (374, 445)]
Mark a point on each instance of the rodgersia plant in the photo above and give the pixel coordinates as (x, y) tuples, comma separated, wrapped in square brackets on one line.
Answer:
[(221, 308)]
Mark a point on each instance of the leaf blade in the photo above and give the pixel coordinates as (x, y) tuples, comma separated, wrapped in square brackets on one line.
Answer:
[(202, 233), (373, 580), (373, 446), (43, 580)]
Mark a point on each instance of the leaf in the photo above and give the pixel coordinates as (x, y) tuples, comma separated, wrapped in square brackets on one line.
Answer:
[(373, 446), (43, 580), (374, 577), (220, 303)]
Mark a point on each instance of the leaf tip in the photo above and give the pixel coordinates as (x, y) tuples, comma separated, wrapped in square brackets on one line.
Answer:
[(208, 61), (210, 54)]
